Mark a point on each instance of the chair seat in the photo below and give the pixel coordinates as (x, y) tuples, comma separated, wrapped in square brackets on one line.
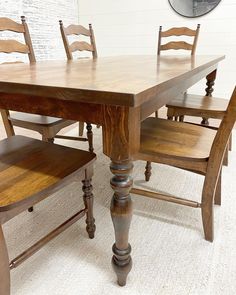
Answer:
[(46, 121), (198, 104), (29, 166), (175, 139)]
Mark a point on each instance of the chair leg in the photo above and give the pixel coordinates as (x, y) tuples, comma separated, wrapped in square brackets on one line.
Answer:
[(90, 136), (88, 202), (4, 266), (205, 122), (81, 128), (230, 142), (207, 209), (148, 169), (47, 139), (170, 118), (181, 118), (207, 220), (218, 191), (156, 114), (226, 156)]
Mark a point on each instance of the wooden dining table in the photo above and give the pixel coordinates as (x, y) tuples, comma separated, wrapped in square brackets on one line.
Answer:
[(116, 93)]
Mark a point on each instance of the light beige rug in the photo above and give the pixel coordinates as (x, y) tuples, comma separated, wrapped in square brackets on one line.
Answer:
[(170, 255)]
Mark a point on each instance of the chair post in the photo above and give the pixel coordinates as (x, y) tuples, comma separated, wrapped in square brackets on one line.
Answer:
[(65, 41), (92, 40), (4, 266), (28, 40), (195, 40), (7, 123), (159, 41)]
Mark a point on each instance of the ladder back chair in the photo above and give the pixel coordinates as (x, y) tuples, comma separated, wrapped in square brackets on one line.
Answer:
[(48, 127), (191, 104), (25, 161), (177, 45), (78, 46), (190, 147)]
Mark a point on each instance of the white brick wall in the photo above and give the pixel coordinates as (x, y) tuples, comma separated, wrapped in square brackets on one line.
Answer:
[(42, 18)]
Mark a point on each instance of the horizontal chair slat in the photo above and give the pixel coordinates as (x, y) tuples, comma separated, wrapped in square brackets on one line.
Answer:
[(9, 46), (178, 32), (176, 45), (77, 30), (10, 25), (81, 45)]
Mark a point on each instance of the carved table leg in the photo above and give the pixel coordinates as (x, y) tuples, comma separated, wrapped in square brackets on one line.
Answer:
[(4, 267), (210, 83), (121, 213)]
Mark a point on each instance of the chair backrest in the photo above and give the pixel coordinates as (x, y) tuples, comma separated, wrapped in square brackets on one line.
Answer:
[(78, 45), (9, 45), (181, 31), (220, 143)]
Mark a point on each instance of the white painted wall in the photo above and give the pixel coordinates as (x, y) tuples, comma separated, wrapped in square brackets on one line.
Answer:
[(42, 17), (131, 26)]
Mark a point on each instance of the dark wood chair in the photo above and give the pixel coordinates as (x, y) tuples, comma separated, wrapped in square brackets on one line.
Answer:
[(48, 127), (30, 170), (190, 147), (76, 46)]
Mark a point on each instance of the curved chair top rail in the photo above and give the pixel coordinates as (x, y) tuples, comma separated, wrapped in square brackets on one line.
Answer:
[(7, 24), (176, 45)]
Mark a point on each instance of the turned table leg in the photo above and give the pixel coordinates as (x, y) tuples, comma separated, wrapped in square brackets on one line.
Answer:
[(121, 213), (210, 83), (4, 266)]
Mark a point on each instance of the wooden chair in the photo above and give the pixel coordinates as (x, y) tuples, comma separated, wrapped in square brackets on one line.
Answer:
[(190, 147), (78, 46), (190, 104), (48, 127), (30, 170), (177, 45)]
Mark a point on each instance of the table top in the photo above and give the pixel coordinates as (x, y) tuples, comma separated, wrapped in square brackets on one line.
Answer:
[(122, 80)]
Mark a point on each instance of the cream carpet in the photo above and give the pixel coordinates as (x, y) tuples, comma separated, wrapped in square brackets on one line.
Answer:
[(170, 255)]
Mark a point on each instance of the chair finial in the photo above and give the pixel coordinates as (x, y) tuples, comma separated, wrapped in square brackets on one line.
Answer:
[(23, 19)]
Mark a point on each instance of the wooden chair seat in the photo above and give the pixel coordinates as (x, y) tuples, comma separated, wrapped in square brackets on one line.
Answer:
[(193, 148), (30, 171), (197, 105), (47, 126), (165, 137), (29, 166), (18, 117)]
